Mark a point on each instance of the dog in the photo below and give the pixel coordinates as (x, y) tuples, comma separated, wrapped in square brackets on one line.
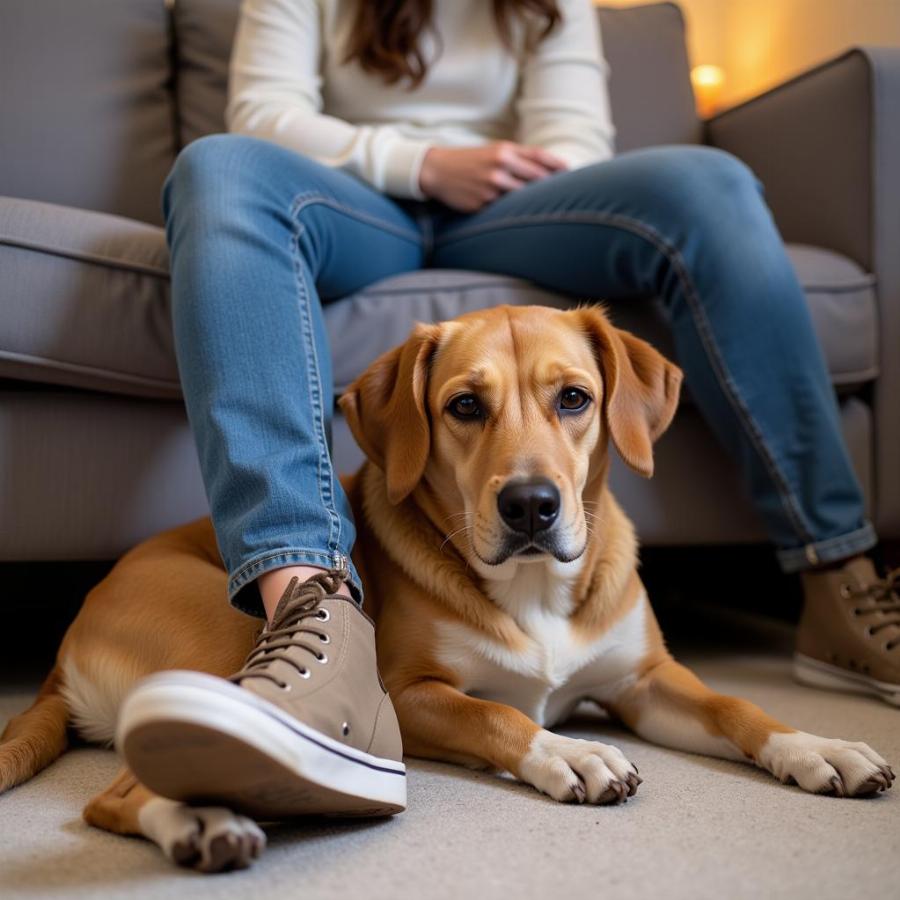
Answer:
[(500, 571)]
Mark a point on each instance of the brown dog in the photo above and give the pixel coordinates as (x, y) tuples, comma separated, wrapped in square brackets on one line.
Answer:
[(499, 568)]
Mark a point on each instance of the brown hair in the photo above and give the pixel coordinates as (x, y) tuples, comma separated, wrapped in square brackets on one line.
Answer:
[(385, 34)]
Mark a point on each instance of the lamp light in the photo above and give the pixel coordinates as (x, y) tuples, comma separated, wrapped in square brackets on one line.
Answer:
[(707, 81)]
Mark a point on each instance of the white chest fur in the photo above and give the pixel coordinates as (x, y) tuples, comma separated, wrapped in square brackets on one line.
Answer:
[(558, 668)]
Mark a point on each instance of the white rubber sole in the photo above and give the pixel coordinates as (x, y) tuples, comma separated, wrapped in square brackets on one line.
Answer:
[(197, 738), (816, 673)]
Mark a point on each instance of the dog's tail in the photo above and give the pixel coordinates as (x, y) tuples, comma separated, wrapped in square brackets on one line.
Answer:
[(36, 737)]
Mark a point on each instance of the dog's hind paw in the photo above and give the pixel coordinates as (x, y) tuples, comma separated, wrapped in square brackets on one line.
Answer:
[(574, 770), (826, 765), (205, 838)]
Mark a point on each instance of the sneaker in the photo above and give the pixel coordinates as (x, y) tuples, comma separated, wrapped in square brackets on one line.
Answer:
[(849, 634), (305, 727)]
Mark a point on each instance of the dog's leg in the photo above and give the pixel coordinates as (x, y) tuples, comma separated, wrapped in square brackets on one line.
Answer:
[(440, 722), (207, 838), (669, 705)]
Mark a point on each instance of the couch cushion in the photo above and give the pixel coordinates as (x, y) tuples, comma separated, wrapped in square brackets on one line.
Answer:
[(86, 110), (204, 31), (86, 304), (649, 76), (841, 298), (85, 300), (650, 88)]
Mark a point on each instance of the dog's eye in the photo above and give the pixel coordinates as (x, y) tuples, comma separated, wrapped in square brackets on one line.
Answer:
[(465, 406), (573, 399)]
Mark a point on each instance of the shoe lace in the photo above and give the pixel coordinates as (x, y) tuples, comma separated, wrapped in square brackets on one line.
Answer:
[(299, 602), (883, 597)]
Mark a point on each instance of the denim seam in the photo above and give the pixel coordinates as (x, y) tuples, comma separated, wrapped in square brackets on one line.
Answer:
[(250, 570), (726, 383), (838, 541), (855, 542), (239, 578), (302, 201), (315, 393)]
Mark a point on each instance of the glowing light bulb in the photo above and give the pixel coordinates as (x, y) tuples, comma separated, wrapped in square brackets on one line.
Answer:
[(707, 81)]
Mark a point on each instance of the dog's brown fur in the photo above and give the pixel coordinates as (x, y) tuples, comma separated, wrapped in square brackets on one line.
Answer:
[(162, 606)]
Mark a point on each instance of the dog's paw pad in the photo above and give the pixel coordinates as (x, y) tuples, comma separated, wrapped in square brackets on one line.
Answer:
[(574, 770)]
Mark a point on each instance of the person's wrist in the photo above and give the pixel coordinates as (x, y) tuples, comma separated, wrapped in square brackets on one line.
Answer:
[(427, 175)]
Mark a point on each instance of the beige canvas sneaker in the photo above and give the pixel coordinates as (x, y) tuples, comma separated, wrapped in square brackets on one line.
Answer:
[(848, 638), (306, 727)]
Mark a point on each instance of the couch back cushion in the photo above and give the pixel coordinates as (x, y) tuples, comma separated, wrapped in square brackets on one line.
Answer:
[(649, 76), (86, 109), (650, 87)]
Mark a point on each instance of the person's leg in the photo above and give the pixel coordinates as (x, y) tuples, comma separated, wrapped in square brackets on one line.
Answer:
[(689, 225), (258, 234)]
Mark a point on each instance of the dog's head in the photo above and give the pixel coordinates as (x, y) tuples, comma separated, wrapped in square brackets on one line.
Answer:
[(502, 419)]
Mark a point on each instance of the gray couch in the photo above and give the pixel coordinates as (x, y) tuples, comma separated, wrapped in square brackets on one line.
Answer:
[(99, 96)]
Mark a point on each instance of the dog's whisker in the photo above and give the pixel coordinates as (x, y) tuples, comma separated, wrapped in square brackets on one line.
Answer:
[(453, 534), (457, 515)]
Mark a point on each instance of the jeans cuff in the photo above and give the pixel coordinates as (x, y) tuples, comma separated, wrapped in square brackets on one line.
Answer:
[(243, 584), (798, 559)]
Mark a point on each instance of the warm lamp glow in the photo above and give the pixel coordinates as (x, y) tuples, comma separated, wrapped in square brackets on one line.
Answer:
[(707, 81)]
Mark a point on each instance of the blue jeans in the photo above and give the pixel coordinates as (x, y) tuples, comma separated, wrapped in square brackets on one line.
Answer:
[(261, 237)]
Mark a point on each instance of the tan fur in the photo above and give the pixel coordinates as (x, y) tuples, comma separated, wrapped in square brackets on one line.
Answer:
[(36, 737), (163, 604)]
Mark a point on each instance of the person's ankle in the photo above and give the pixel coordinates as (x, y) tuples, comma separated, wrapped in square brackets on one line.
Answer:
[(273, 583), (834, 564)]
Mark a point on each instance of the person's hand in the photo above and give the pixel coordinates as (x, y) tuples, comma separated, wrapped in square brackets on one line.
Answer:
[(466, 178)]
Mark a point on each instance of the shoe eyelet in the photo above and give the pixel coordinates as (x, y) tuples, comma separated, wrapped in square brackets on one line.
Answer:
[(323, 614), (324, 638), (845, 591), (305, 673), (322, 658), (345, 728), (870, 631), (285, 687)]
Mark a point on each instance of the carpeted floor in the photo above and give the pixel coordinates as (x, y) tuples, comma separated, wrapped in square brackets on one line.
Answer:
[(697, 828)]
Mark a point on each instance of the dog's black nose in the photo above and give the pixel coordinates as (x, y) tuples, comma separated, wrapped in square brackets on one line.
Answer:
[(529, 506)]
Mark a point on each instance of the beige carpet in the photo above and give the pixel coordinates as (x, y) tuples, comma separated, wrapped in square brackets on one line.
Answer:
[(698, 827)]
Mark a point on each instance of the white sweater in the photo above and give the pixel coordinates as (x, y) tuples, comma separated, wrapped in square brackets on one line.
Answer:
[(287, 84)]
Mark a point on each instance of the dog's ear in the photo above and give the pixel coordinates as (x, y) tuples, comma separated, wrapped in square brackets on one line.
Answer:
[(641, 389), (386, 411)]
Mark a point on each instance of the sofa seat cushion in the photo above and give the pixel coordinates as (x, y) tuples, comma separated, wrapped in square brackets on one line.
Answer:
[(841, 298), (85, 300), (86, 304)]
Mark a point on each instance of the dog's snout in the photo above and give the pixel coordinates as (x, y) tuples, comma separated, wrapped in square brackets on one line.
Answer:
[(529, 506)]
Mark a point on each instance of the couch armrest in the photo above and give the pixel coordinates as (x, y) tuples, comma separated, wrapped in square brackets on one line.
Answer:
[(826, 145)]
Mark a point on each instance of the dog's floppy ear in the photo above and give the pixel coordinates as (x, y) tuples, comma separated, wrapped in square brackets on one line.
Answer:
[(386, 411), (641, 389)]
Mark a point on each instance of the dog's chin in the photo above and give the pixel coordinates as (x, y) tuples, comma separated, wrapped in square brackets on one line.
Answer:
[(517, 550)]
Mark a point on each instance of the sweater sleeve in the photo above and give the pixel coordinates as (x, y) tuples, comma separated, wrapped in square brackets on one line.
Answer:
[(563, 101), (274, 93)]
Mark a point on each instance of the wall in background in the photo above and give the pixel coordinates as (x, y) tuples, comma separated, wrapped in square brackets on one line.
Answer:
[(761, 42)]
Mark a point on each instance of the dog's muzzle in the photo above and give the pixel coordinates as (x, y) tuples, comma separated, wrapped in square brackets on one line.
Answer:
[(529, 508)]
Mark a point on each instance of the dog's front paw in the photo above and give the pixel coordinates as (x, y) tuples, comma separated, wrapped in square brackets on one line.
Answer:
[(206, 838), (570, 769), (826, 765)]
